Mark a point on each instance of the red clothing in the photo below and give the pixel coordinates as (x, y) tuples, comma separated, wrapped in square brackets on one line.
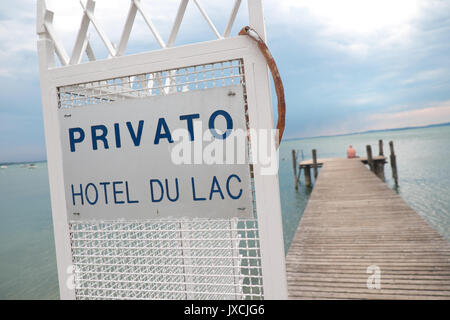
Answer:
[(351, 153)]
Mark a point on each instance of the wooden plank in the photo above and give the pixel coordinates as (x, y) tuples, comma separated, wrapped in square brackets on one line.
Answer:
[(321, 161), (352, 221)]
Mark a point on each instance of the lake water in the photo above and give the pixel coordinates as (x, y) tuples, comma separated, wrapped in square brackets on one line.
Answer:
[(27, 252)]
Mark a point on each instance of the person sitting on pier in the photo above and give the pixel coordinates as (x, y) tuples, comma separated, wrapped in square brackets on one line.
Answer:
[(351, 153)]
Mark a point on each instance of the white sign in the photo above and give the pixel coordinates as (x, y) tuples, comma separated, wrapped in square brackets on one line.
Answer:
[(118, 158)]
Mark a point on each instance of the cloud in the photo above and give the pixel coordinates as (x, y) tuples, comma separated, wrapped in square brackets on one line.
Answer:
[(364, 99), (438, 113), (359, 49), (356, 16), (17, 39), (6, 73), (426, 75), (353, 27), (356, 27), (16, 35)]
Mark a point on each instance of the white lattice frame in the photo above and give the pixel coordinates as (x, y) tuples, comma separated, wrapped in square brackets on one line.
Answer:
[(260, 117)]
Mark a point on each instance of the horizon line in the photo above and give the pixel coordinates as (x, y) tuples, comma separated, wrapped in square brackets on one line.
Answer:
[(291, 139), (370, 131)]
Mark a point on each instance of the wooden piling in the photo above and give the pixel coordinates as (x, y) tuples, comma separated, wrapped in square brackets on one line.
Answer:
[(307, 170), (379, 164), (370, 158), (393, 163), (379, 169), (314, 155), (294, 166)]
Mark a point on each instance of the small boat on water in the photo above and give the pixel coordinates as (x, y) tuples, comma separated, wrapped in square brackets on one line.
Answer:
[(28, 165), (3, 167)]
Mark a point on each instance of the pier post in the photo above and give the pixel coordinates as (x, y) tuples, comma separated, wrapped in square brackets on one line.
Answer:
[(307, 169), (379, 169), (294, 166), (393, 163), (314, 155), (370, 158), (379, 164)]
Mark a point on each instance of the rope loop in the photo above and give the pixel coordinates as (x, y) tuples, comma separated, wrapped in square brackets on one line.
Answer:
[(279, 89)]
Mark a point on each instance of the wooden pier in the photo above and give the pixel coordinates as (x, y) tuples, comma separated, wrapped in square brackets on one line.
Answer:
[(355, 225)]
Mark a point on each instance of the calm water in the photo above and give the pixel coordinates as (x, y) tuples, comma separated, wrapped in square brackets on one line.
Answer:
[(27, 253), (27, 250)]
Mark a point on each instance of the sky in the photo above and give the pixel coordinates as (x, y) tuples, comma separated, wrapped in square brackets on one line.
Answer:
[(347, 65)]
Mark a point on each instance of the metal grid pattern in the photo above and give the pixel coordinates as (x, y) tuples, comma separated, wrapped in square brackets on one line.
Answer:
[(167, 259), (164, 259), (164, 82)]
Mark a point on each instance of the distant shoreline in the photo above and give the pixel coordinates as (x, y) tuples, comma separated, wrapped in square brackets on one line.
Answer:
[(292, 139), (21, 162), (445, 124)]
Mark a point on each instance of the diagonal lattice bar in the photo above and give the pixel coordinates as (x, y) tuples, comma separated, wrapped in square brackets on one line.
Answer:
[(81, 41), (208, 20), (177, 22), (135, 6), (232, 18), (89, 12), (59, 48), (82, 44)]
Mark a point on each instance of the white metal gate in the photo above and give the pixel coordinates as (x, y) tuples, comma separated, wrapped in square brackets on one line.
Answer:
[(185, 258)]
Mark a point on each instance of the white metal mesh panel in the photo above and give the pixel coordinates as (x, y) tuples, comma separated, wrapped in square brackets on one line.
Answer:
[(164, 259), (167, 259), (198, 77)]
